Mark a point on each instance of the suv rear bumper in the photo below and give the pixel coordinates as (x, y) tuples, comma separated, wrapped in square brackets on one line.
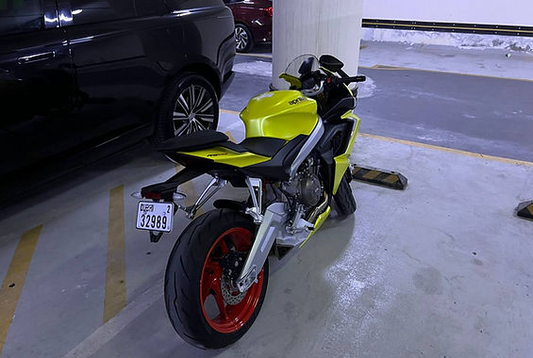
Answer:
[(228, 79)]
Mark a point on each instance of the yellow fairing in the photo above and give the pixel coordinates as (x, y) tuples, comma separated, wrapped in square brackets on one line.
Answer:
[(319, 221), (341, 162), (225, 156), (280, 114)]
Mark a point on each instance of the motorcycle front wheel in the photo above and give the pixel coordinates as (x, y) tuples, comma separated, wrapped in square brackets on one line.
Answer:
[(344, 199), (202, 302)]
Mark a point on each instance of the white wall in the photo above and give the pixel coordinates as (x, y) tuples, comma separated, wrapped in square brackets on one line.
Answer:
[(499, 12), (316, 27)]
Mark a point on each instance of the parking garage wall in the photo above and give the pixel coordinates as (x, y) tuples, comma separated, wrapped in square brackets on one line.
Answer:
[(452, 11), (478, 23)]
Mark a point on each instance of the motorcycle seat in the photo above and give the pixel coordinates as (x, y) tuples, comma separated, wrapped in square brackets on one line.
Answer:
[(193, 141), (264, 146)]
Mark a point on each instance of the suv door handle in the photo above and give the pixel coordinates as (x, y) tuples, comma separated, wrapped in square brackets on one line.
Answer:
[(36, 57)]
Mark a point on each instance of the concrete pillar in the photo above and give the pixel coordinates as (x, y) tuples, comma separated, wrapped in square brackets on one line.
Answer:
[(315, 27)]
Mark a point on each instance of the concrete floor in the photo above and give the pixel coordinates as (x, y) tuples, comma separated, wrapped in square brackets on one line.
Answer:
[(442, 269)]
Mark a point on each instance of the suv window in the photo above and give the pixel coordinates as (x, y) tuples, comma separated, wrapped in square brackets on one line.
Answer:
[(90, 11), (20, 16)]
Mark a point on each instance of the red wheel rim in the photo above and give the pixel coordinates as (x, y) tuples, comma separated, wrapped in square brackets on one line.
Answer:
[(230, 318)]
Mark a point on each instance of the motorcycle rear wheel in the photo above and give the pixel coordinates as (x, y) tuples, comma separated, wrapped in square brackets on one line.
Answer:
[(196, 288)]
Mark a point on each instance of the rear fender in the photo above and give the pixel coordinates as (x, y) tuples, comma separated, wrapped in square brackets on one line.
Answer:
[(166, 190)]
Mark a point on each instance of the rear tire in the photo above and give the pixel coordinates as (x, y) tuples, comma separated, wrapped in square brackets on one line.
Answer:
[(194, 275), (344, 198), (190, 104)]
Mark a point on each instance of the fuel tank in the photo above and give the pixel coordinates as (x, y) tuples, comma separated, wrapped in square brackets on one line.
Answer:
[(280, 114)]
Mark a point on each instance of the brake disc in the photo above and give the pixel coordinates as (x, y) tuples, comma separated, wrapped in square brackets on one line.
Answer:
[(230, 292)]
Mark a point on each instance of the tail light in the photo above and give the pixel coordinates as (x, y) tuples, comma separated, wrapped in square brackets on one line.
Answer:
[(269, 11), (152, 195)]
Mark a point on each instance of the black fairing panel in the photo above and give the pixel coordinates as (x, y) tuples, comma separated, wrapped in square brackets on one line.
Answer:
[(334, 142), (338, 109), (278, 167)]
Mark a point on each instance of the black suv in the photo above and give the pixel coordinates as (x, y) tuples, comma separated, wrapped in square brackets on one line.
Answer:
[(78, 74)]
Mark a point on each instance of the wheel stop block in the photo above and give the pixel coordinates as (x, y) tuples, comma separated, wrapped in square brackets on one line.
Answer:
[(525, 210), (385, 178)]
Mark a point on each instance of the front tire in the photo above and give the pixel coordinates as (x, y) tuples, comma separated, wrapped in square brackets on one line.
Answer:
[(344, 198), (190, 104), (201, 302)]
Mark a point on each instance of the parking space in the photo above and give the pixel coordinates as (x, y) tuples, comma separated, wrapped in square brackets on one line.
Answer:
[(81, 263), (437, 270), (440, 269), (430, 257)]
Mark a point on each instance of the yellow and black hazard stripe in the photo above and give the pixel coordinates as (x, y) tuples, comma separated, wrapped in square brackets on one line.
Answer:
[(380, 177), (470, 28), (525, 210)]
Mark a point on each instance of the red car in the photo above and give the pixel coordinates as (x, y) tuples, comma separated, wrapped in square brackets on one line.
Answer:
[(253, 22)]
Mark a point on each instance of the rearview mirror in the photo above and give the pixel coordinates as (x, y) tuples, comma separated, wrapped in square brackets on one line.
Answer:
[(331, 63)]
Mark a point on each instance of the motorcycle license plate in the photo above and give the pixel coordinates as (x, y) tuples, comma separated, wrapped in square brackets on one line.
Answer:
[(155, 216)]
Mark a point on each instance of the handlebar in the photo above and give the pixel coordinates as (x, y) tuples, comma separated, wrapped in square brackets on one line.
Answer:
[(348, 80)]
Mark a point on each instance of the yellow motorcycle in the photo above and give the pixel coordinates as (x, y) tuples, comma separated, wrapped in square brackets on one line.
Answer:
[(294, 163)]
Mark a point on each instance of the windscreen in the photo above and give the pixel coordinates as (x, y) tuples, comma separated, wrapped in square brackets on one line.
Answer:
[(302, 65)]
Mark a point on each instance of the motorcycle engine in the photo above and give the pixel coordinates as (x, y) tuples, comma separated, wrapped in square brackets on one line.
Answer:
[(309, 189), (306, 186)]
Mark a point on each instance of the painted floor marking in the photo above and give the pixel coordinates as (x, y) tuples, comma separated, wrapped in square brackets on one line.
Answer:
[(115, 325), (115, 285), (400, 68), (228, 133), (449, 150), (260, 55), (228, 111), (14, 280), (435, 147)]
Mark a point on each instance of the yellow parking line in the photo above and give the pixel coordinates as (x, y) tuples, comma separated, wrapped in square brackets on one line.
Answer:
[(14, 280), (449, 150), (115, 285), (228, 133), (256, 55), (227, 111), (435, 147), (399, 68), (190, 191)]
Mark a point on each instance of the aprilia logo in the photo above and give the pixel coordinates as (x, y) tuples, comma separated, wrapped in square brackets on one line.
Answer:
[(296, 101)]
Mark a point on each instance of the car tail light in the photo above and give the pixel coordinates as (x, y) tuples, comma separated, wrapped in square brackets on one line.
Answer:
[(269, 11)]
